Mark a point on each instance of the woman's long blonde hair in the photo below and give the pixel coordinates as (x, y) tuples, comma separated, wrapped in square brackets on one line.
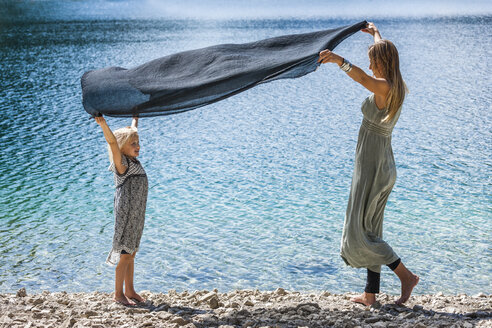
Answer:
[(122, 136), (385, 56)]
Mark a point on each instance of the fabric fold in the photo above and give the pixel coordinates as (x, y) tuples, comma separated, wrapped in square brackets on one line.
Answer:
[(195, 78)]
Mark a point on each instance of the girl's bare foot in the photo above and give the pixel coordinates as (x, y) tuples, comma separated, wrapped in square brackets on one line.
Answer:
[(135, 297), (366, 298), (123, 300), (407, 286)]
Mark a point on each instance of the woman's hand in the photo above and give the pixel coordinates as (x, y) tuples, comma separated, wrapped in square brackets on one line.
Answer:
[(370, 28), (327, 56)]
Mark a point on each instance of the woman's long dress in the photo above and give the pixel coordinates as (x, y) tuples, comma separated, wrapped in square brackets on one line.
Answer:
[(130, 201), (374, 176)]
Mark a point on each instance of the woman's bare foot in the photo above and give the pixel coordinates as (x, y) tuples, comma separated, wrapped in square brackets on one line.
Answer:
[(135, 296), (366, 298), (407, 286), (123, 300)]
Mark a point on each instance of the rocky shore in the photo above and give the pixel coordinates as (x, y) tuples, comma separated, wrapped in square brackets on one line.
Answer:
[(241, 308)]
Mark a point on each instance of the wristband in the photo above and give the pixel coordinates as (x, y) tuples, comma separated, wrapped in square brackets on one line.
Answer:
[(346, 66)]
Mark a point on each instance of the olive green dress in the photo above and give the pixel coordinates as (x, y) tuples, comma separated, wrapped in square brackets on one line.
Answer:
[(362, 243)]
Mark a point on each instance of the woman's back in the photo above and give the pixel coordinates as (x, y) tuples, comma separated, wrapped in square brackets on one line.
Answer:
[(376, 116)]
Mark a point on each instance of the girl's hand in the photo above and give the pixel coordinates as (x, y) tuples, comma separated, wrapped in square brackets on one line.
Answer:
[(327, 56), (135, 122), (370, 28), (100, 120)]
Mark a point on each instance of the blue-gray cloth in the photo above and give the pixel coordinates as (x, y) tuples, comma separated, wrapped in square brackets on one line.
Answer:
[(195, 78)]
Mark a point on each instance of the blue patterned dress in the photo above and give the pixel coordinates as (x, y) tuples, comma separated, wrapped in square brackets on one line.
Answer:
[(130, 200)]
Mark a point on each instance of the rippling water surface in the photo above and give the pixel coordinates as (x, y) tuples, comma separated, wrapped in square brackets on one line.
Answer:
[(249, 192)]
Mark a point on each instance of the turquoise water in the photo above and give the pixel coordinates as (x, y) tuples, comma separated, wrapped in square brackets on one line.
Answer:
[(249, 192)]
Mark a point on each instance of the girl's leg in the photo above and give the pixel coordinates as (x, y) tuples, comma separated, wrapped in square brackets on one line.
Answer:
[(129, 288), (408, 281), (121, 268)]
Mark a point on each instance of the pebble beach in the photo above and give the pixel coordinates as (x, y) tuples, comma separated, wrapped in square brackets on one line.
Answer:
[(249, 192), (241, 308)]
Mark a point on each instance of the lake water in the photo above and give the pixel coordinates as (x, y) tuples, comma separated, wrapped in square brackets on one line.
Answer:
[(249, 192)]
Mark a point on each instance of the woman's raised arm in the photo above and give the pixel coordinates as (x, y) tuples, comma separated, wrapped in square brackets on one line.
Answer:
[(378, 86)]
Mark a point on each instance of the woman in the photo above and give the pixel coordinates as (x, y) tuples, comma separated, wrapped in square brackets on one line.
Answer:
[(375, 172)]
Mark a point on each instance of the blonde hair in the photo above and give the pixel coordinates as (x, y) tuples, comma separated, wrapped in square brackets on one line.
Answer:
[(122, 136), (384, 55)]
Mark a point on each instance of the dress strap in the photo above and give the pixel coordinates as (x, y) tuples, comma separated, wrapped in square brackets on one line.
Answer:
[(373, 127)]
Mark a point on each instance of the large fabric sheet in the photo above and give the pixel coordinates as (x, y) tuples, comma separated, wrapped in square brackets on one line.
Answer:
[(195, 78)]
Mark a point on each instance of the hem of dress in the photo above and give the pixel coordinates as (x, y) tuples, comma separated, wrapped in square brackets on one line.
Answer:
[(115, 254), (372, 267)]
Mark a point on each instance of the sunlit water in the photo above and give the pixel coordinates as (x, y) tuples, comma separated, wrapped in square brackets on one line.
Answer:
[(249, 192)]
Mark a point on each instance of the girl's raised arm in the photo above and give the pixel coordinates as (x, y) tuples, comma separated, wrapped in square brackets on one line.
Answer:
[(113, 144), (135, 122)]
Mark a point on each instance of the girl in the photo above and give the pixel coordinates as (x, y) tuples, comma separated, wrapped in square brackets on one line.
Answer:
[(375, 172), (129, 206)]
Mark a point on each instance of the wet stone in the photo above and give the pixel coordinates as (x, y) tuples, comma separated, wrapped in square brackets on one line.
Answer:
[(179, 321), (21, 292), (208, 297), (280, 291), (214, 302), (249, 303)]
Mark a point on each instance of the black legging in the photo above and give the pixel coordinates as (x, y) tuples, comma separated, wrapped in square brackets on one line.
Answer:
[(374, 278)]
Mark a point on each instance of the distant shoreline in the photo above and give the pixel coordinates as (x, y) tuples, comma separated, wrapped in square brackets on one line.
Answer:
[(217, 9), (203, 20), (242, 308)]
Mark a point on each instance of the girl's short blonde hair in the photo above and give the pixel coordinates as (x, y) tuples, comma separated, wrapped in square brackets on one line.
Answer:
[(123, 136)]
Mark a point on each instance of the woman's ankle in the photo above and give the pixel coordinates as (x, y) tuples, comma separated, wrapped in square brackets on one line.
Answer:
[(402, 272), (369, 296)]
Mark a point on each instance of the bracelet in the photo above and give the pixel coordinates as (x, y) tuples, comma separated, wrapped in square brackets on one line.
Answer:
[(346, 66)]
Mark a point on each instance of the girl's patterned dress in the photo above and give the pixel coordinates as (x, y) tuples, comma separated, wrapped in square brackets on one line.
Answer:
[(130, 200)]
